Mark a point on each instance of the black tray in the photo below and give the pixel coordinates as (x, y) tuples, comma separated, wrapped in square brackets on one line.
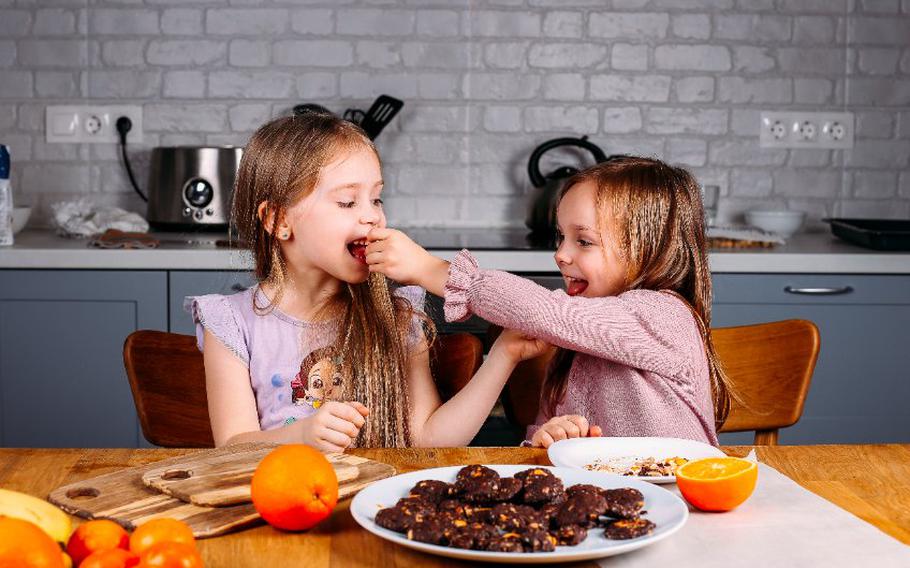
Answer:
[(879, 234)]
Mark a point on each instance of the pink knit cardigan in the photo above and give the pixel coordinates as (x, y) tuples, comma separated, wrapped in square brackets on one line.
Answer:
[(640, 367)]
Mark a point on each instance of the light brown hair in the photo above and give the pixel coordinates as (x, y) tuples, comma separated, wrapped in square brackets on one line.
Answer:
[(280, 166), (658, 219)]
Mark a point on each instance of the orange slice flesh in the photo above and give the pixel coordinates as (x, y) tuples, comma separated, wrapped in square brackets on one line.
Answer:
[(717, 484), (714, 468)]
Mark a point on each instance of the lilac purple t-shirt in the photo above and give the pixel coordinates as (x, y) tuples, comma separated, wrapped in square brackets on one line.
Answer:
[(273, 347)]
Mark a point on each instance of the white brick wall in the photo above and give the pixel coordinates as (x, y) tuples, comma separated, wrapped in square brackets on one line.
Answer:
[(484, 82)]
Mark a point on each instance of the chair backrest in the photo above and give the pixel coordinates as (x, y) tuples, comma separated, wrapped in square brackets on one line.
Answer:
[(769, 365), (167, 377), (454, 358)]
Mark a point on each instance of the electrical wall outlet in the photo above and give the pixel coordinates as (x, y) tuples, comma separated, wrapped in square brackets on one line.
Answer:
[(806, 130), (91, 124)]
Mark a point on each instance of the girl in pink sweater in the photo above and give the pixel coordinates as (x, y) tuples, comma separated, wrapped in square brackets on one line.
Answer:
[(634, 355)]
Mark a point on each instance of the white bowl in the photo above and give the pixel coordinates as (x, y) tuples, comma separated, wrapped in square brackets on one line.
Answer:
[(783, 223), (20, 218)]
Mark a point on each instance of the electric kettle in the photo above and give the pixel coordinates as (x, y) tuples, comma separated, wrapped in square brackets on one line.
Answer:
[(542, 212)]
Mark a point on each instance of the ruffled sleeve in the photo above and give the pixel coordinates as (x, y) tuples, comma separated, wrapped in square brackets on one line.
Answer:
[(215, 313), (417, 297), (463, 273)]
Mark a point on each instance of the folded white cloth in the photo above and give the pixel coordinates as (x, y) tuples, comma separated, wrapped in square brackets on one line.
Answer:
[(82, 218)]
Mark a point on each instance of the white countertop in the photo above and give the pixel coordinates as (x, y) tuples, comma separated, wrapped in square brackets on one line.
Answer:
[(811, 253)]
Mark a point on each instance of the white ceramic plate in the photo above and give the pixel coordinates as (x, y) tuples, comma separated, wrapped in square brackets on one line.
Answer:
[(664, 509), (579, 452)]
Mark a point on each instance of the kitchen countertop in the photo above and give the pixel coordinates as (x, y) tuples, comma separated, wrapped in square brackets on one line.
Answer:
[(504, 249)]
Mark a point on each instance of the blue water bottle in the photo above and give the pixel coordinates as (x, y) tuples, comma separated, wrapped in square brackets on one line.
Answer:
[(6, 199)]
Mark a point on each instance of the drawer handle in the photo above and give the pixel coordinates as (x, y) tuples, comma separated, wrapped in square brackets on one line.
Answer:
[(818, 291), (238, 287)]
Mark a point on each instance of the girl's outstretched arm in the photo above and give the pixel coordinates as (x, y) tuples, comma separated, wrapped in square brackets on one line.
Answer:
[(642, 332), (456, 422), (234, 418), (644, 329)]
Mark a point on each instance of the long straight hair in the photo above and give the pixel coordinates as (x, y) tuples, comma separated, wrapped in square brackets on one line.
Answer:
[(658, 217), (280, 166)]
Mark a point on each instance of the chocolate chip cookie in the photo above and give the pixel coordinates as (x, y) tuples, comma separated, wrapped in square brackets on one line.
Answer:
[(624, 502), (624, 529)]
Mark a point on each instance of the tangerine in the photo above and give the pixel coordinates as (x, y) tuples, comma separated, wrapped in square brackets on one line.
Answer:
[(164, 529), (294, 487), (171, 555), (24, 545), (111, 558), (92, 536), (717, 484)]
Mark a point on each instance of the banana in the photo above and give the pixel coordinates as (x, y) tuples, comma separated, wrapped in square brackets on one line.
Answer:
[(23, 506)]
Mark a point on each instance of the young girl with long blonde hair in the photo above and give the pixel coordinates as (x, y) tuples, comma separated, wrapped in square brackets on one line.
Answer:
[(632, 327), (319, 351)]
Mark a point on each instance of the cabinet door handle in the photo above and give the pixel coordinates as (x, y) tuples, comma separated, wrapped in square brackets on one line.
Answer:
[(818, 291), (238, 287)]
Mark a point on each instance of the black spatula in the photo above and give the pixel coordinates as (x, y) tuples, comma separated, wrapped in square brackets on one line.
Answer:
[(380, 114)]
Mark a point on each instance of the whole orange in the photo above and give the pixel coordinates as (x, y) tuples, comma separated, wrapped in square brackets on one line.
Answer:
[(155, 531), (111, 558), (294, 487), (25, 545), (96, 535), (171, 555), (717, 484)]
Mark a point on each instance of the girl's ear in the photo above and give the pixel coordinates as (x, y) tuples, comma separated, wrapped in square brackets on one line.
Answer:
[(266, 216)]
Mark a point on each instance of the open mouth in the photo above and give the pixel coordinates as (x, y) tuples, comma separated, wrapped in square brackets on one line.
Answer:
[(358, 250), (575, 286)]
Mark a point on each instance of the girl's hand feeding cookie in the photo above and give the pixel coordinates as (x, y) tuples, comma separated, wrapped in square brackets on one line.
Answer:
[(394, 254)]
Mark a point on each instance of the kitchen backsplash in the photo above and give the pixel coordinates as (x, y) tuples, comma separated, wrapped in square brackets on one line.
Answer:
[(483, 82)]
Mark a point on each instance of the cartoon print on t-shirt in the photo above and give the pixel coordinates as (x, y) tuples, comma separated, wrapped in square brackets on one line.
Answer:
[(320, 379)]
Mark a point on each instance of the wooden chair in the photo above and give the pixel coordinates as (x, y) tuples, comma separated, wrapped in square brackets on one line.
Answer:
[(769, 365), (454, 358), (167, 377)]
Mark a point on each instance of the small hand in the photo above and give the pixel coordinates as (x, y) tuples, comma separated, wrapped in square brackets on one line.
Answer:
[(334, 426), (519, 346), (563, 428), (394, 254)]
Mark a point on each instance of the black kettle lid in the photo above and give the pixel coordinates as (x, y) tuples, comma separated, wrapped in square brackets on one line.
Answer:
[(537, 178)]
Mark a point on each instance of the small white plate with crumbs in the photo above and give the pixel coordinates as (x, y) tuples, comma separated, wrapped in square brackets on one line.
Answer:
[(649, 459)]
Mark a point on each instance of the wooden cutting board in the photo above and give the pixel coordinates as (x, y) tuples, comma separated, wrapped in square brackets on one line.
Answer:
[(123, 497), (225, 480)]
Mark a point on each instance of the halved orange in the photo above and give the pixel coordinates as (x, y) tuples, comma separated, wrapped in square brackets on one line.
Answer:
[(717, 484)]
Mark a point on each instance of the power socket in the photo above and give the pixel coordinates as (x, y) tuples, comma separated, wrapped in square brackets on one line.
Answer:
[(90, 124), (806, 130)]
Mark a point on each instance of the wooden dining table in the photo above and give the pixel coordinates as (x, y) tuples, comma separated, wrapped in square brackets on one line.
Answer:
[(870, 481)]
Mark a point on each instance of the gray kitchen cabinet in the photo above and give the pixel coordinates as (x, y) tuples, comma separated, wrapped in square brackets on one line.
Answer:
[(62, 381), (183, 283), (861, 384)]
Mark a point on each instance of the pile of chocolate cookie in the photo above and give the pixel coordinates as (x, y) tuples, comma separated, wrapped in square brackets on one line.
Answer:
[(530, 512)]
